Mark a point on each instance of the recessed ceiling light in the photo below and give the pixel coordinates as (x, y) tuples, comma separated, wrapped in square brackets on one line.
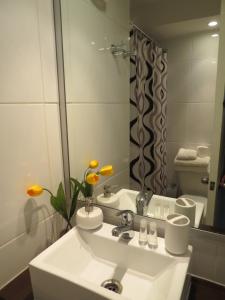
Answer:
[(215, 35), (212, 23)]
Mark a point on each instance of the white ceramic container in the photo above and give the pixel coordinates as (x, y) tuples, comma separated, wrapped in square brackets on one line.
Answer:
[(177, 234), (89, 220), (187, 207)]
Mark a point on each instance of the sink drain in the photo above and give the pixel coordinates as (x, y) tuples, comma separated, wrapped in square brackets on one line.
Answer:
[(112, 285)]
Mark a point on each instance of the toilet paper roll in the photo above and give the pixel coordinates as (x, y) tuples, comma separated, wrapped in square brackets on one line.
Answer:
[(177, 234), (203, 151), (187, 207)]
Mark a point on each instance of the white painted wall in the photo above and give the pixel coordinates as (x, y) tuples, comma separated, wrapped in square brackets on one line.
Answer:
[(192, 66), (30, 149), (97, 85)]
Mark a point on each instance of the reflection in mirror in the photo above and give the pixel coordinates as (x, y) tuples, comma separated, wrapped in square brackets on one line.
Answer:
[(140, 92)]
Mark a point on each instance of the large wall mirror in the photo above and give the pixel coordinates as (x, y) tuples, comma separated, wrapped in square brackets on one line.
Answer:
[(142, 94)]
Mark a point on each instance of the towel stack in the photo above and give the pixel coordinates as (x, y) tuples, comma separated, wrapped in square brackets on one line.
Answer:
[(192, 158), (186, 154)]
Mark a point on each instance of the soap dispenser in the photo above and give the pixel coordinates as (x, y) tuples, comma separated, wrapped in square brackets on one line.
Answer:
[(108, 198), (89, 216)]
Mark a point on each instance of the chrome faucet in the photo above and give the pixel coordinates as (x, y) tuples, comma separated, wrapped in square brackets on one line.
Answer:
[(142, 201), (126, 228)]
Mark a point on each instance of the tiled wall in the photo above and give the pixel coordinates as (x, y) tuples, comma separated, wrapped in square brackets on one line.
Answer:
[(29, 131), (208, 256), (97, 84), (192, 65)]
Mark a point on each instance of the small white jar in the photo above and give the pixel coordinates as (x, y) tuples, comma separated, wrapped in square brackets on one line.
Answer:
[(187, 207), (90, 216), (177, 234), (89, 220)]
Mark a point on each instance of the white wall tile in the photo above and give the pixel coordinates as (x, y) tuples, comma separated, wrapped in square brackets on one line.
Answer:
[(98, 131), (220, 264), (53, 139), (97, 84), (20, 64), (27, 74), (179, 48), (172, 149), (204, 80), (192, 66), (203, 263), (208, 256), (180, 83), (26, 158), (118, 68), (177, 122), (84, 64), (15, 255), (92, 72), (47, 49), (200, 122), (113, 9), (205, 46), (30, 133)]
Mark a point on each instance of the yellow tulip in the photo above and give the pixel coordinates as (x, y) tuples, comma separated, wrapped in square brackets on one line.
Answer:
[(106, 170), (92, 178), (34, 190), (93, 164)]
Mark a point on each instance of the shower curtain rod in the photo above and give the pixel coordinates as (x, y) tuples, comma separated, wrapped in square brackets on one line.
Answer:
[(147, 36)]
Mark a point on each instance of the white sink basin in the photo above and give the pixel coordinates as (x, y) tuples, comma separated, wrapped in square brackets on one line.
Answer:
[(76, 265), (159, 206)]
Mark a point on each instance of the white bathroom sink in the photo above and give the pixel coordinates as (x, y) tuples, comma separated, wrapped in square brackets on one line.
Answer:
[(159, 206), (76, 265)]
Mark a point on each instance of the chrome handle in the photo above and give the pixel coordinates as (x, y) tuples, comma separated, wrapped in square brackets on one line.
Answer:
[(222, 182), (222, 185), (107, 189), (127, 217), (205, 180)]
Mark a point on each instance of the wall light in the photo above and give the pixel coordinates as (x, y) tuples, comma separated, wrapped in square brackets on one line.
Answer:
[(215, 35), (212, 23)]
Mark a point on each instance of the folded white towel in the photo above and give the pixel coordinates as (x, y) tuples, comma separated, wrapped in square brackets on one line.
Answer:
[(186, 154), (199, 162)]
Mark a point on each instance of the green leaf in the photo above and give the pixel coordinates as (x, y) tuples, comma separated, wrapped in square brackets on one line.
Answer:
[(74, 202), (59, 202), (85, 188), (76, 188), (80, 185), (88, 189)]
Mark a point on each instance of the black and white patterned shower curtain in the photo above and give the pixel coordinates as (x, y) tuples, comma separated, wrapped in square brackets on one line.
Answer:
[(148, 115)]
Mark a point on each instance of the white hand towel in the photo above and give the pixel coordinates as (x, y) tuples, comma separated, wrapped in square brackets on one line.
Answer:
[(199, 162), (186, 154)]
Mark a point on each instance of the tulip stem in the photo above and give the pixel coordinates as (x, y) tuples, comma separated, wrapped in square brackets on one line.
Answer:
[(86, 173), (68, 225), (44, 189)]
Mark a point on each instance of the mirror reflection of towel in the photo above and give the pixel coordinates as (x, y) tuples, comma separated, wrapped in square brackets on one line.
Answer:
[(186, 154)]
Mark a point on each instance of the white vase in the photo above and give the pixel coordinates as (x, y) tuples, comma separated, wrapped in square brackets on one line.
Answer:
[(89, 219)]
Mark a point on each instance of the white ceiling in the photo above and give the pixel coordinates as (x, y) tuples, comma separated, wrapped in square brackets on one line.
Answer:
[(164, 19)]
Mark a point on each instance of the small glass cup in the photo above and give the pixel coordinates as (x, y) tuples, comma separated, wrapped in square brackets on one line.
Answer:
[(152, 236), (143, 232)]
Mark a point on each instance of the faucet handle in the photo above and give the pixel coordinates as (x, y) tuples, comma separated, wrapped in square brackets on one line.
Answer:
[(127, 217), (107, 189)]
